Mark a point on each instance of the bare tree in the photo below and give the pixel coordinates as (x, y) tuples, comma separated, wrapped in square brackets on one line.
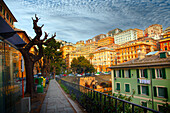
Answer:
[(30, 58)]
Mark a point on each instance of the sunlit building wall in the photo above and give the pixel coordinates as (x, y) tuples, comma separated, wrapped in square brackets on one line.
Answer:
[(66, 50), (102, 59), (125, 36), (105, 41), (154, 31)]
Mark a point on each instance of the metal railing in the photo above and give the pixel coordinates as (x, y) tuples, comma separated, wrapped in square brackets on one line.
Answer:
[(98, 102)]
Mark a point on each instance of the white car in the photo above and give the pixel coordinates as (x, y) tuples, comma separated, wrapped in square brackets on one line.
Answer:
[(79, 75)]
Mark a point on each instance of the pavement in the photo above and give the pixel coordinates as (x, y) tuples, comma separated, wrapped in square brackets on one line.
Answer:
[(56, 101)]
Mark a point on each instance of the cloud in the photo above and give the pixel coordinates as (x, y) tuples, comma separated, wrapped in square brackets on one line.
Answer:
[(75, 20)]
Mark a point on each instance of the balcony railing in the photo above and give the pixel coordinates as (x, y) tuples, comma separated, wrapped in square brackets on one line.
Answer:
[(98, 102)]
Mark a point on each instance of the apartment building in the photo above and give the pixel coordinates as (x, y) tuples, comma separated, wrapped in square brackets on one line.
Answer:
[(71, 55), (66, 50), (165, 40), (125, 36), (139, 33), (103, 58), (105, 41), (147, 77), (131, 51), (154, 31)]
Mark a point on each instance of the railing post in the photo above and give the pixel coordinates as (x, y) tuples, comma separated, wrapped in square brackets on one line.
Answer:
[(123, 107), (115, 105), (133, 108)]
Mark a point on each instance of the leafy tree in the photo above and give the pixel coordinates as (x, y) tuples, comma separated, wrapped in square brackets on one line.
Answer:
[(53, 57), (81, 64)]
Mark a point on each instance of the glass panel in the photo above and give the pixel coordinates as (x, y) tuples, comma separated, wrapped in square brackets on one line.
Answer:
[(144, 90), (161, 92)]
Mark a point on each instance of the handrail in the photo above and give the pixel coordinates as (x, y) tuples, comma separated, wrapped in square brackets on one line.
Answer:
[(94, 98)]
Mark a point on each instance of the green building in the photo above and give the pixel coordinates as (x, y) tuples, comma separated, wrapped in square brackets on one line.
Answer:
[(148, 77)]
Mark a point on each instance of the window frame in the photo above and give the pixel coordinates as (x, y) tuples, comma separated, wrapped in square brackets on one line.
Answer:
[(146, 92), (125, 87), (116, 86), (126, 73), (160, 73), (157, 87)]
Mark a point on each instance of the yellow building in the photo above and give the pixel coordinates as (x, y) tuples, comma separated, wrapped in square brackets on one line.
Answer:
[(71, 55), (105, 41), (132, 50), (139, 32), (166, 33), (66, 50), (102, 59), (154, 31)]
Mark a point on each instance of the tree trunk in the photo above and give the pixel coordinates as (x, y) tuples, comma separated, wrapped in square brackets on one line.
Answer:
[(29, 79)]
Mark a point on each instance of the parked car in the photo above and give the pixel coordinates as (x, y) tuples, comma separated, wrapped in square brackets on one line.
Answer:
[(97, 73), (79, 75), (88, 74), (70, 75), (64, 75)]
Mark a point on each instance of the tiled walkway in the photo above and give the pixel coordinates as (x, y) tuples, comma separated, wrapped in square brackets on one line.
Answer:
[(56, 101)]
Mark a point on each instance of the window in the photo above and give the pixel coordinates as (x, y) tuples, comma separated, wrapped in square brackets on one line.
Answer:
[(143, 90), (0, 8), (7, 16), (161, 108), (118, 86), (127, 73), (118, 73), (4, 12), (127, 88), (144, 103), (159, 73), (143, 73), (160, 92)]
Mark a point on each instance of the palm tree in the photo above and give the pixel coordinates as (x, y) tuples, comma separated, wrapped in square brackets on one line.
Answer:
[(91, 55)]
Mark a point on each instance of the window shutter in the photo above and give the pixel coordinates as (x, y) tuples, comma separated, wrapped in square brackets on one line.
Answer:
[(114, 73), (129, 73), (146, 73), (120, 73), (163, 73), (154, 90), (166, 92), (147, 90), (123, 73), (137, 72), (138, 89), (118, 86), (153, 73), (127, 88)]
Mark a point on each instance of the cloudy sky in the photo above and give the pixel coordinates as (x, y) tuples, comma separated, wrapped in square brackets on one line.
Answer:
[(75, 20)]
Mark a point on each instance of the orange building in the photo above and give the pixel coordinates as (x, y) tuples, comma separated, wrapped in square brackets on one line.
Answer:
[(105, 41), (6, 14), (139, 33), (66, 50), (165, 44), (132, 50), (103, 58)]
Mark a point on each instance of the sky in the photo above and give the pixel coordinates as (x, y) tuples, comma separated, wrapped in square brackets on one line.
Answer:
[(75, 20)]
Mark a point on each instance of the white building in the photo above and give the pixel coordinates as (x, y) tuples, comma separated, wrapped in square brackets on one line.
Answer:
[(125, 36)]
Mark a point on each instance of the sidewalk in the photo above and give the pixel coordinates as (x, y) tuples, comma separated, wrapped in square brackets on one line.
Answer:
[(56, 101)]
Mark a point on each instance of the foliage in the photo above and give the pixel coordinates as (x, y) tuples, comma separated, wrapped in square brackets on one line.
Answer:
[(53, 57), (81, 64)]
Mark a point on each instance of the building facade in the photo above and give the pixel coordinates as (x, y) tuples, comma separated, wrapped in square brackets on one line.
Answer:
[(103, 58), (125, 36), (105, 41), (139, 33), (147, 78), (154, 31), (66, 50)]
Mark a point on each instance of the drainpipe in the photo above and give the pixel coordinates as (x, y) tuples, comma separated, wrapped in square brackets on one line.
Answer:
[(151, 89)]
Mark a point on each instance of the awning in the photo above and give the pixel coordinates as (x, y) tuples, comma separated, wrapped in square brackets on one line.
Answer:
[(8, 34)]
